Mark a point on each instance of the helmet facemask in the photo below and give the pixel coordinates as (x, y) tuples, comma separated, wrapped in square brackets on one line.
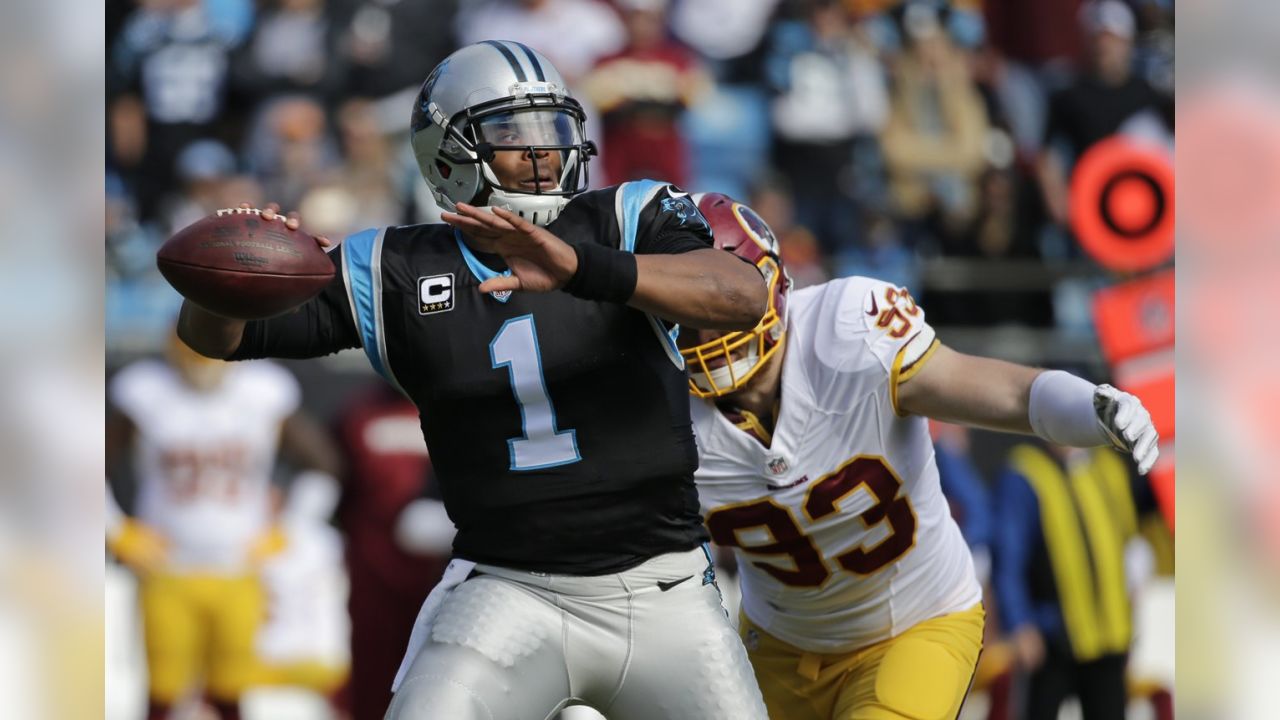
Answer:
[(726, 364)]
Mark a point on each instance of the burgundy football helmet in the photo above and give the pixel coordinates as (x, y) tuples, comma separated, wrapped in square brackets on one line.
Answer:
[(723, 365)]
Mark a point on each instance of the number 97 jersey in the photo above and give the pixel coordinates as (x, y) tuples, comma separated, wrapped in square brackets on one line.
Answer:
[(838, 520)]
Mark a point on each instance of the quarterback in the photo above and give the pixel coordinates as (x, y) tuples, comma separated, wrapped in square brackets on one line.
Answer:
[(536, 337), (859, 598)]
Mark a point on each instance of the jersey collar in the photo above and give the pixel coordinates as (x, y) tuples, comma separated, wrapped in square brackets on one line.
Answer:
[(478, 269)]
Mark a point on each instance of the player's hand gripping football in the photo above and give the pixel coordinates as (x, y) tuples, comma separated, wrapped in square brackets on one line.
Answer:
[(292, 220), (539, 261), (1128, 424)]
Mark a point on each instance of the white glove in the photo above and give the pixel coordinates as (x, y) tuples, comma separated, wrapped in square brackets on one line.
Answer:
[(1128, 425)]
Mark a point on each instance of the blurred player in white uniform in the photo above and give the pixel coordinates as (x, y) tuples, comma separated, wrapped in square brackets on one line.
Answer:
[(859, 598), (204, 436)]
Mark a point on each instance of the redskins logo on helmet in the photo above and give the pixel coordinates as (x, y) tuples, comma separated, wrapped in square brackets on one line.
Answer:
[(725, 364)]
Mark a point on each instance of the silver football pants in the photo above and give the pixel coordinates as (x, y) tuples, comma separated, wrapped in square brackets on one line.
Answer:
[(650, 643)]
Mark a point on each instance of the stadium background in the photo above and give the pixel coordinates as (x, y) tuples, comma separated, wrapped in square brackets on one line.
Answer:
[(902, 140)]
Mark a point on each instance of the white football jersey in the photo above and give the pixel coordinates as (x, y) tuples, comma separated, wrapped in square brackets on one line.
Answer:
[(842, 534), (204, 459)]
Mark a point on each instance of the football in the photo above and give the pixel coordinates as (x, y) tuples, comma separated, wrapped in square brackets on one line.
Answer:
[(237, 264)]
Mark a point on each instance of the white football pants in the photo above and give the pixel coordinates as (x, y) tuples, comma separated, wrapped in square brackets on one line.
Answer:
[(650, 643)]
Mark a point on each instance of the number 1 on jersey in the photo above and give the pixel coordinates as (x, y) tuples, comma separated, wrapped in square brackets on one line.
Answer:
[(542, 446)]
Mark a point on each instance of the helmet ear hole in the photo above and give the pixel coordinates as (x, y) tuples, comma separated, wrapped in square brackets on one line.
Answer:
[(444, 169)]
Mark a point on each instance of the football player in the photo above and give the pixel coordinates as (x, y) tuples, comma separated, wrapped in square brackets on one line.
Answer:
[(536, 333), (204, 435), (859, 597)]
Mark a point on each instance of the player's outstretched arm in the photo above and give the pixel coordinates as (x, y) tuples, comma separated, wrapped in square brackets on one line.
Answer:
[(1057, 406), (703, 288)]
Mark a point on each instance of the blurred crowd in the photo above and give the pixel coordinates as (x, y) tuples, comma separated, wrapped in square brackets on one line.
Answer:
[(871, 134)]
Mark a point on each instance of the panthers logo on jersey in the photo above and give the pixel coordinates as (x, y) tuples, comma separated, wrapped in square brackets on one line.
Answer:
[(681, 205)]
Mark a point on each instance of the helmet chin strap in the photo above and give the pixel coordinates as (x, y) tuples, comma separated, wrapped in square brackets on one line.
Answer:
[(723, 377)]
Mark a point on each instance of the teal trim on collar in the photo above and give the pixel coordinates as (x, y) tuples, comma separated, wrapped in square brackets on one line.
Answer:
[(481, 271)]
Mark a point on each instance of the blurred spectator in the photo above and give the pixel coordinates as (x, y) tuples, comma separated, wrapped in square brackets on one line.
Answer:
[(1154, 49), (1064, 521), (966, 493), (203, 167), (935, 139), (289, 148), (830, 94), (232, 20), (882, 254), (1015, 102), (388, 46), (398, 537), (365, 191), (573, 34), (166, 85), (1100, 102), (723, 31), (1004, 229), (1033, 32), (800, 252), (290, 51), (130, 244), (641, 92)]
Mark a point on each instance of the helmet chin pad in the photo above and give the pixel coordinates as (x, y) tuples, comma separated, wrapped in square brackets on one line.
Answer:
[(537, 209)]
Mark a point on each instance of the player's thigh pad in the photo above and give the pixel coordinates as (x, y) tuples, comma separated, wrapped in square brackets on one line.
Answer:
[(687, 662), (922, 674), (174, 635), (494, 653)]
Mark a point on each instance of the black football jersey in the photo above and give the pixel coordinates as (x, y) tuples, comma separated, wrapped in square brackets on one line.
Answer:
[(558, 427)]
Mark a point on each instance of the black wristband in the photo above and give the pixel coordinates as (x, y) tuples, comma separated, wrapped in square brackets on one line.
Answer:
[(603, 274)]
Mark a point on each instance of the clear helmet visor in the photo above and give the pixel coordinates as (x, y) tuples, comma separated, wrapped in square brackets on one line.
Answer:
[(536, 151), (535, 127)]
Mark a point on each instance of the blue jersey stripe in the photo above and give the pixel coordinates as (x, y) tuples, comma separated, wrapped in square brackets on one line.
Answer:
[(364, 290), (632, 199)]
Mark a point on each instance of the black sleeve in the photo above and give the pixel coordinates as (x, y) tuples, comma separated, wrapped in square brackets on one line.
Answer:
[(672, 224), (321, 326)]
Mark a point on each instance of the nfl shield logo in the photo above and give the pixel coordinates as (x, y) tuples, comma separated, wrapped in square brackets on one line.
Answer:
[(778, 465), (501, 295)]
